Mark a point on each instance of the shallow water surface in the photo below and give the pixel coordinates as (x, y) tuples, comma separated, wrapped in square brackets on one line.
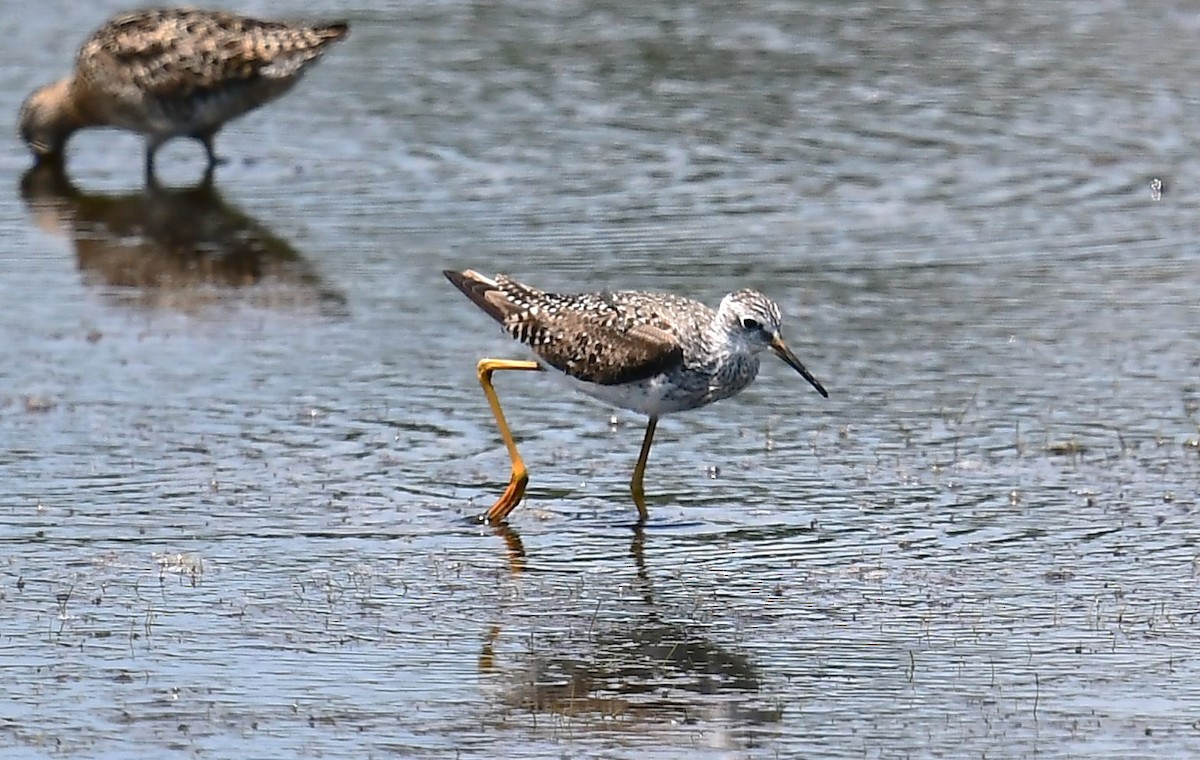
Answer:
[(243, 442)]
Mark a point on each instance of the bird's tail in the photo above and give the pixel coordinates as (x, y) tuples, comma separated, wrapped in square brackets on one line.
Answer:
[(484, 292), (287, 50)]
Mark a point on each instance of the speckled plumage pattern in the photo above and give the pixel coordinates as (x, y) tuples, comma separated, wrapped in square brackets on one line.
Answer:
[(653, 353), (173, 72)]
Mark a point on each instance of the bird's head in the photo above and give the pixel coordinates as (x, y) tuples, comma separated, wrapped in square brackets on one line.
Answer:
[(753, 323), (47, 119)]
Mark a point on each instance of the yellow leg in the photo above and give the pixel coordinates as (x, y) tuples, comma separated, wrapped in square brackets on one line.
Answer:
[(639, 471), (515, 491)]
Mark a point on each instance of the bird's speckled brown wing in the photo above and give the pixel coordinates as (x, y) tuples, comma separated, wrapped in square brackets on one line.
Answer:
[(597, 345), (174, 52), (603, 338)]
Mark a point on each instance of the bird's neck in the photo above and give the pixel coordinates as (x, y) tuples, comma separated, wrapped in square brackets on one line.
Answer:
[(732, 358), (723, 343)]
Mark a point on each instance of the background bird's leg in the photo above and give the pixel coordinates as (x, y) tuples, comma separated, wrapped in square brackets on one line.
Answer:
[(639, 471), (516, 485), (151, 149), (206, 139)]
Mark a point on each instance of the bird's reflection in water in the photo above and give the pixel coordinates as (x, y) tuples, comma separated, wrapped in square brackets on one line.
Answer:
[(513, 546), (179, 248), (643, 670)]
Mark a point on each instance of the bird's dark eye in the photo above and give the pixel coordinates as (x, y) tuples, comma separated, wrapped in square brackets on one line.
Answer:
[(750, 323)]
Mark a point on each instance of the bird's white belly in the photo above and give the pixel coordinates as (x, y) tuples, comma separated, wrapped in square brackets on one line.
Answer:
[(653, 397)]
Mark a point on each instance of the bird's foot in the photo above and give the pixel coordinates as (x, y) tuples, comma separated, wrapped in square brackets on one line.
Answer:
[(508, 500)]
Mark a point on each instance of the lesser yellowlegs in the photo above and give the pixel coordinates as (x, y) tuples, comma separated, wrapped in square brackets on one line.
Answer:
[(172, 72), (653, 353)]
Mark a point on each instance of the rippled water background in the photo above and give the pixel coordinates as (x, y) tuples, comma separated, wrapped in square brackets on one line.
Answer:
[(241, 436)]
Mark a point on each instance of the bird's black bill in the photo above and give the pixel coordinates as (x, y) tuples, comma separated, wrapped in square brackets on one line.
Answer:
[(783, 352)]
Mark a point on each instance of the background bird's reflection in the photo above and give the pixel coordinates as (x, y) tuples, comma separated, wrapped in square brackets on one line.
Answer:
[(180, 248), (642, 666)]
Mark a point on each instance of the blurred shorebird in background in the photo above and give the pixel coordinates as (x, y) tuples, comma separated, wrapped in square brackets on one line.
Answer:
[(168, 73)]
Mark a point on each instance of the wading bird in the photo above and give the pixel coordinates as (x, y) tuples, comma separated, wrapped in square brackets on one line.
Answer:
[(653, 353)]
